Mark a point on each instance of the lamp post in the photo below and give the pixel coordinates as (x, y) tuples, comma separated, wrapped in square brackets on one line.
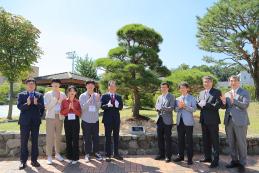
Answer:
[(72, 55)]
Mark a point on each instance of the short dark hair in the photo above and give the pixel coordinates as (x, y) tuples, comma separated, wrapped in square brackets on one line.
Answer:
[(90, 82), (165, 83), (237, 78), (184, 84), (56, 81), (210, 78), (71, 87), (30, 80)]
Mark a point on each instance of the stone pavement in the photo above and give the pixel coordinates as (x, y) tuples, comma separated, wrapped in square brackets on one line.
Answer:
[(130, 164)]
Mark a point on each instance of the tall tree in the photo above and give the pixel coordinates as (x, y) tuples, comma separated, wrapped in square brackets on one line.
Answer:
[(232, 27), (18, 49), (135, 63), (86, 67)]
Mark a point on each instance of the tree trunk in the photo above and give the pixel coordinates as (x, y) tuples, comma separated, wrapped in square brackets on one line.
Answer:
[(136, 103), (10, 110), (256, 80)]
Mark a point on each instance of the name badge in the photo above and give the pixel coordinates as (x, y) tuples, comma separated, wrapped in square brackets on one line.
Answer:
[(71, 116), (92, 108)]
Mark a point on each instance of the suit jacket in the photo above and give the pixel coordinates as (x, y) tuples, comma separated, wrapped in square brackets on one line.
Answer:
[(187, 112), (30, 114), (111, 114), (210, 112), (237, 110), (167, 106)]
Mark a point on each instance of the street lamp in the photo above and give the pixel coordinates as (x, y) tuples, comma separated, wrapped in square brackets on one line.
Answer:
[(72, 55)]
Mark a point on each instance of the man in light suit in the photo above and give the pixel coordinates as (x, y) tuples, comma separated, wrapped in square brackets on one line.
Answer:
[(236, 121), (185, 106), (165, 106), (209, 103)]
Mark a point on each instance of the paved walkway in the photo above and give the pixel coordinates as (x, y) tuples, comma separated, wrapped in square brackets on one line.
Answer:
[(129, 164)]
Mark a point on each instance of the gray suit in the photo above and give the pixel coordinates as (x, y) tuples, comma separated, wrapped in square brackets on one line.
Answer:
[(187, 112), (236, 121), (167, 106)]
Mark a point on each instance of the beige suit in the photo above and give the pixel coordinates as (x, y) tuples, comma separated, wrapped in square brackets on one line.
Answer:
[(54, 122)]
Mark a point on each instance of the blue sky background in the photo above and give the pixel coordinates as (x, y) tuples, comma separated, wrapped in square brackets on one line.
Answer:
[(90, 27)]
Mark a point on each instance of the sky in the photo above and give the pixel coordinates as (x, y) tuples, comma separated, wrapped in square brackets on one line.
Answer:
[(90, 26)]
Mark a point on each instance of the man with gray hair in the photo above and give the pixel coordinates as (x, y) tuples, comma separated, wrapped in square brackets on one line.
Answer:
[(209, 103), (236, 121)]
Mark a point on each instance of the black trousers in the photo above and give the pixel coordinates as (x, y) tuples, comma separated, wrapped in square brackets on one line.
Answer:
[(164, 133), (72, 129), (109, 129), (25, 132), (185, 132), (210, 137), (91, 136)]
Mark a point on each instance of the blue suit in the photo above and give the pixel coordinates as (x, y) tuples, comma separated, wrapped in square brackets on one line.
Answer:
[(29, 121), (111, 120)]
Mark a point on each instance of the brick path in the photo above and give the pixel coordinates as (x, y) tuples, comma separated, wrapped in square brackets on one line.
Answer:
[(129, 164)]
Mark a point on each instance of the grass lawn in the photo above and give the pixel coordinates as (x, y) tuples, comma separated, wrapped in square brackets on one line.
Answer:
[(253, 129)]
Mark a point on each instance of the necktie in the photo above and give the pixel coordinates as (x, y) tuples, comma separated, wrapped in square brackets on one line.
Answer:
[(113, 100)]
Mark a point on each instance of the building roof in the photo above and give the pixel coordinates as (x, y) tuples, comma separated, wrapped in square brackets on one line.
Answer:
[(67, 78)]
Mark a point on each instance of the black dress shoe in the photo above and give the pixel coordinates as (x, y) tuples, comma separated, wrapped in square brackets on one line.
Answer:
[(232, 164), (118, 157), (22, 166), (206, 160), (35, 164), (189, 162), (167, 160), (241, 168), (159, 157), (214, 164), (178, 159)]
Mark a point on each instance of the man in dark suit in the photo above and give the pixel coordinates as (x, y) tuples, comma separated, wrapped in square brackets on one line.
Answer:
[(31, 105), (209, 103), (111, 103)]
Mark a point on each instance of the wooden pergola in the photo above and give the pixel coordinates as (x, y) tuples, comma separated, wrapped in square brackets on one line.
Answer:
[(67, 79)]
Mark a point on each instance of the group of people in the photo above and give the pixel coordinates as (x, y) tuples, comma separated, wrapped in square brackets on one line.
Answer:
[(66, 109), (209, 101)]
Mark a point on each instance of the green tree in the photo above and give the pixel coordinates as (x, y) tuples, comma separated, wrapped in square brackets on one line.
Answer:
[(231, 27), (192, 76), (135, 63), (18, 49), (86, 67)]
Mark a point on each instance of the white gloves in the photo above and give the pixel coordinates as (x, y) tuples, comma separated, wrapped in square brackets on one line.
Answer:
[(116, 104), (110, 104), (202, 103), (158, 106)]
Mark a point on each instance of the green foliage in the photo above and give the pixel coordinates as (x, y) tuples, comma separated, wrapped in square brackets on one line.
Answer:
[(18, 45), (4, 91), (232, 27), (135, 63), (192, 76), (86, 67)]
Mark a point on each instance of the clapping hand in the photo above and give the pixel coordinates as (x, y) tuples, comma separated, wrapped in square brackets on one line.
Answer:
[(35, 100), (181, 104), (223, 99), (116, 104), (28, 101), (110, 104)]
